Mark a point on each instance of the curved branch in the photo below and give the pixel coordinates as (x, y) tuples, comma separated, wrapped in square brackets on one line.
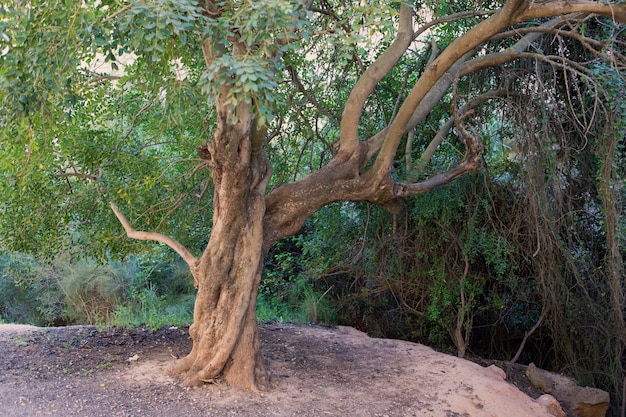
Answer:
[(289, 205), (514, 11), (455, 51), (172, 243), (588, 43), (451, 18), (351, 116), (473, 146), (439, 89), (445, 129), (470, 163), (430, 100), (538, 9)]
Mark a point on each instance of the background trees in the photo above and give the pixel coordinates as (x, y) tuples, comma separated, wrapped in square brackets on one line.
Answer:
[(534, 239)]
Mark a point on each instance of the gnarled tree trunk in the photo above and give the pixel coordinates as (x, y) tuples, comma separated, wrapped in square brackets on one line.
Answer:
[(225, 336)]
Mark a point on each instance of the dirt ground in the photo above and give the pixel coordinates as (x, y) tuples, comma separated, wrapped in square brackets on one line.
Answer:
[(316, 371)]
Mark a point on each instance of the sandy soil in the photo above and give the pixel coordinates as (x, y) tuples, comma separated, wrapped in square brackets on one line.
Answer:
[(316, 371)]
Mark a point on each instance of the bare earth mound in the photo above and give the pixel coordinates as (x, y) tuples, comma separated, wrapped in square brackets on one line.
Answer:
[(78, 371)]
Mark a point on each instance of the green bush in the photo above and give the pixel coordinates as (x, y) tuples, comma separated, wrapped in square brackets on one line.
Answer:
[(152, 289), (145, 307), (29, 293), (92, 291), (288, 292)]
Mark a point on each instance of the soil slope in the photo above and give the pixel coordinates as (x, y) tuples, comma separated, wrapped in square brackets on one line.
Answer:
[(79, 371)]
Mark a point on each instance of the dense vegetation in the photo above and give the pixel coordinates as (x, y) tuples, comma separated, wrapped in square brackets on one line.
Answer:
[(522, 260)]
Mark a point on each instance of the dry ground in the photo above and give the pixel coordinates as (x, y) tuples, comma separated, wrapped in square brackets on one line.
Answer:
[(316, 371)]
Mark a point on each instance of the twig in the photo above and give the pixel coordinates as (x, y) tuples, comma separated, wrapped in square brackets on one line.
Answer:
[(527, 335), (90, 177), (119, 12)]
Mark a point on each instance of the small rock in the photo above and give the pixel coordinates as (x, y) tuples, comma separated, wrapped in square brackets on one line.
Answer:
[(497, 371), (540, 379), (551, 405), (590, 402), (583, 401)]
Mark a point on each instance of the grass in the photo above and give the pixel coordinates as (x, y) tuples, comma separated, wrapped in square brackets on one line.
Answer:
[(153, 311), (304, 306)]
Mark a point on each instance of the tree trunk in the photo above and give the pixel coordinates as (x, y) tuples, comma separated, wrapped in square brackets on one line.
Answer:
[(225, 336)]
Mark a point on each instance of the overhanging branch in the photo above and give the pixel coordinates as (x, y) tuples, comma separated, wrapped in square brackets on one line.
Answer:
[(158, 237), (434, 72), (439, 89), (445, 129), (470, 163)]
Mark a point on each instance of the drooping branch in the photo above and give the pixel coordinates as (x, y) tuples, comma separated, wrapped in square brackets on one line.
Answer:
[(158, 237), (514, 11), (349, 139), (445, 128), (469, 164)]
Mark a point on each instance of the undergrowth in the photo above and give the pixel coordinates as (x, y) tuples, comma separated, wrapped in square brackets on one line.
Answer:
[(152, 290)]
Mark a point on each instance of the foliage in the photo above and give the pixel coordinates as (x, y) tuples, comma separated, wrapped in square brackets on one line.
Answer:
[(151, 290), (28, 293), (145, 307), (92, 292), (287, 293)]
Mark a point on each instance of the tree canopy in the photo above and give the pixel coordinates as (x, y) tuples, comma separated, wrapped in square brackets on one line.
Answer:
[(131, 81)]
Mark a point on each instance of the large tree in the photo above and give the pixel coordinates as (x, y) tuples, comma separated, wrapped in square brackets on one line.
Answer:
[(63, 121)]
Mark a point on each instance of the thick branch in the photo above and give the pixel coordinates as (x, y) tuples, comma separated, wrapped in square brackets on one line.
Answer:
[(455, 51), (135, 234), (289, 205), (538, 9), (430, 100), (439, 89), (349, 138)]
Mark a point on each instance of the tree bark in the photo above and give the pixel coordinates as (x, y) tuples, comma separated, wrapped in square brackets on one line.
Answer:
[(226, 344)]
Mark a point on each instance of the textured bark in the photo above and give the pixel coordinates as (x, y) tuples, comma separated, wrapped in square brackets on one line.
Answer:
[(225, 337)]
